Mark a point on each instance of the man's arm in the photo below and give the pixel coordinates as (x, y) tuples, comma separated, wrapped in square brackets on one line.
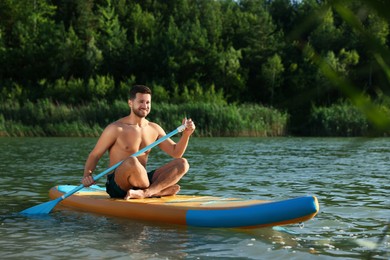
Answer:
[(106, 140), (177, 150)]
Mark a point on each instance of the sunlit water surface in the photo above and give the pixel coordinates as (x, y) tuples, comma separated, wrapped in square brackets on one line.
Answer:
[(350, 177)]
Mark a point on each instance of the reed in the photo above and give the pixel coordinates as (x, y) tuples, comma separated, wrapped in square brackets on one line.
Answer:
[(345, 119), (46, 118), (2, 127), (223, 120)]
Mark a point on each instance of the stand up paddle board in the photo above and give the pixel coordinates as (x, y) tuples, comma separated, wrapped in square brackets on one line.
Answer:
[(198, 211)]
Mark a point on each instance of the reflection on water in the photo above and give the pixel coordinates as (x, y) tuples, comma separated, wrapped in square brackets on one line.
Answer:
[(350, 177)]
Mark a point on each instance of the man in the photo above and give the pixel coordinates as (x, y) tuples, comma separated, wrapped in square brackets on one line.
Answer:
[(127, 136)]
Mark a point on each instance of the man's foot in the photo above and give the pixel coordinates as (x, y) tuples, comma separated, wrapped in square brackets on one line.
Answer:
[(141, 194), (135, 194), (170, 191)]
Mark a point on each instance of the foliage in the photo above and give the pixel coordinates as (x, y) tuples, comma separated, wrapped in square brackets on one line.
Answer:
[(338, 120), (344, 119), (368, 52), (47, 119), (2, 127), (281, 53)]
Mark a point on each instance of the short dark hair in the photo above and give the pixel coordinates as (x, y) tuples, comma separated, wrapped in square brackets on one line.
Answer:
[(139, 89)]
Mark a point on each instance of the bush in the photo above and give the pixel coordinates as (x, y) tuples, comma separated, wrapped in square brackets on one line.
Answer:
[(2, 126), (343, 119)]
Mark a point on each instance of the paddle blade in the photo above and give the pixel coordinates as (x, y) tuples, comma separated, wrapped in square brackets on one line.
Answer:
[(43, 208)]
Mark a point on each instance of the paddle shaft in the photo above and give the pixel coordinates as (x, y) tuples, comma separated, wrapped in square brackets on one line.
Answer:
[(146, 148)]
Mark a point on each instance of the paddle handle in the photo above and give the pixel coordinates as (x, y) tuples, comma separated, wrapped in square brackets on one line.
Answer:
[(150, 146)]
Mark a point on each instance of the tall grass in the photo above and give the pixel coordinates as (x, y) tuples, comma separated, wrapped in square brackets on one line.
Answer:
[(344, 119), (46, 118)]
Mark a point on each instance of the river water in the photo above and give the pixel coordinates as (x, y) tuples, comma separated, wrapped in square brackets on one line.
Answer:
[(350, 177)]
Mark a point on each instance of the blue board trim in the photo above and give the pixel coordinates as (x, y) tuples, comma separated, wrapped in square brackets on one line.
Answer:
[(254, 215)]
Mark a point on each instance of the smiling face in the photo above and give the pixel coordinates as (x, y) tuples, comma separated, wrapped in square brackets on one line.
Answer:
[(141, 104)]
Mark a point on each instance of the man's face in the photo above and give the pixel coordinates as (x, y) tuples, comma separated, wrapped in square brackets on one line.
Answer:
[(141, 105)]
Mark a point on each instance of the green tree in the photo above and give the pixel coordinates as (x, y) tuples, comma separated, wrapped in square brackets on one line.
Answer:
[(272, 72), (257, 38), (326, 36), (29, 43), (112, 41), (70, 55), (366, 42), (141, 54)]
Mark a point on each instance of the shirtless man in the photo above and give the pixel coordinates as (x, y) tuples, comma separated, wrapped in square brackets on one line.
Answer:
[(127, 136)]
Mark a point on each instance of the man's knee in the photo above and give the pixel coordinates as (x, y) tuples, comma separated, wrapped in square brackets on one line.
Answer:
[(130, 162), (183, 165)]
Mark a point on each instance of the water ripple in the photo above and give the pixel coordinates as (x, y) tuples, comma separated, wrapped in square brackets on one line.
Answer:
[(350, 177)]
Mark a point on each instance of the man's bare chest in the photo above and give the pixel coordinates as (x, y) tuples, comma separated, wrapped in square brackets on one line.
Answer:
[(131, 140)]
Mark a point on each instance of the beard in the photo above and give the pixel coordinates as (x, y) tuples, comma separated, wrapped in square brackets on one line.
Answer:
[(141, 113)]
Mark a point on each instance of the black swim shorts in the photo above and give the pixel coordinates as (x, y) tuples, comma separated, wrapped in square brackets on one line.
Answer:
[(115, 191)]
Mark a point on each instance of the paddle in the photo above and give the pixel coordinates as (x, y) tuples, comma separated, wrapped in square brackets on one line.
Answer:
[(46, 207)]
